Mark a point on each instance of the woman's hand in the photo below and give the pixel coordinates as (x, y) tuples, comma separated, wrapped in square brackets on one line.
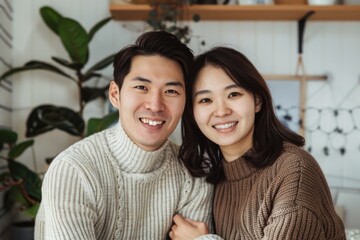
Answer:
[(186, 229)]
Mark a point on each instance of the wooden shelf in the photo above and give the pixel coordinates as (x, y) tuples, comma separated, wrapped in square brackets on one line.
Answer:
[(131, 12)]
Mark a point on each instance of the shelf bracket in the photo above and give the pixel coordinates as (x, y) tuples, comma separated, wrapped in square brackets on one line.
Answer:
[(301, 30)]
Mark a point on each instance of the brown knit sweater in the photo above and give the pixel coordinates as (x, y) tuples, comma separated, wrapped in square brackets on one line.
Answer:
[(287, 200)]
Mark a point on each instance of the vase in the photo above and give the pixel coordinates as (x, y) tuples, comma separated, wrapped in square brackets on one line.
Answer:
[(22, 231)]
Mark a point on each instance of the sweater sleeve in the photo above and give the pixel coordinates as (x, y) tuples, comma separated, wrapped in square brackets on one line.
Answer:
[(68, 211), (197, 201), (301, 223)]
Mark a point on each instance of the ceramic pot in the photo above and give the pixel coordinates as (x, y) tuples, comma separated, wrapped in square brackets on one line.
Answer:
[(22, 230)]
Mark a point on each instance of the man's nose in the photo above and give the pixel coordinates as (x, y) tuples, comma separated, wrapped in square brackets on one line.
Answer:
[(155, 102)]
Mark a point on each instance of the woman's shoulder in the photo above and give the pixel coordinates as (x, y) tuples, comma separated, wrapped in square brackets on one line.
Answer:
[(296, 157)]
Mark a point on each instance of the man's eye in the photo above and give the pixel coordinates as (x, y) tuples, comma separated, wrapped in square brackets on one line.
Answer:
[(172, 91), (140, 87)]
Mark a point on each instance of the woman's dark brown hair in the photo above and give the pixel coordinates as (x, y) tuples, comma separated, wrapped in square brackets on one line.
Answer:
[(203, 157)]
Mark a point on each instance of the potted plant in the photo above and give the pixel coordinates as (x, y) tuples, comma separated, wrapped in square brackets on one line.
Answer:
[(166, 14), (75, 39), (22, 185)]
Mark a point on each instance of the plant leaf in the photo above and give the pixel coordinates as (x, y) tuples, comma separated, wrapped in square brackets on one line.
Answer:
[(34, 126), (19, 148), (100, 65), (8, 136), (97, 27), (51, 18), (48, 117), (90, 76), (36, 65), (66, 63), (98, 124), (90, 93), (75, 40), (31, 180), (32, 211)]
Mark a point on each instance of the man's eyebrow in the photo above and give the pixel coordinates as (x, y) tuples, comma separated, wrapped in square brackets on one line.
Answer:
[(173, 83), (179, 84), (141, 79)]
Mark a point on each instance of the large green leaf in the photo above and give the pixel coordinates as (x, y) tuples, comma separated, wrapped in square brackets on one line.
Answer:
[(19, 148), (100, 65), (34, 126), (31, 180), (48, 117), (97, 27), (51, 18), (98, 124), (36, 65), (75, 40), (8, 136)]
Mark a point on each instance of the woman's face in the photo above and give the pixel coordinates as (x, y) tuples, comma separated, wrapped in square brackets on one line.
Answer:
[(224, 112)]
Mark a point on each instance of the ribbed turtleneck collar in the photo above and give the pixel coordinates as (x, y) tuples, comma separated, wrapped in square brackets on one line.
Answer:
[(131, 158), (238, 169)]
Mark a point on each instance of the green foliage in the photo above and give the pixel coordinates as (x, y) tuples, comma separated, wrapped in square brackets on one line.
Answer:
[(22, 184), (76, 41), (99, 124)]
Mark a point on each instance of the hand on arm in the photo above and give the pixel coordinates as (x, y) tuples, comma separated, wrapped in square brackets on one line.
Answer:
[(186, 229)]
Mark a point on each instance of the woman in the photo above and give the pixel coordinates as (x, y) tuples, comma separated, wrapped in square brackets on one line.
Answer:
[(267, 186)]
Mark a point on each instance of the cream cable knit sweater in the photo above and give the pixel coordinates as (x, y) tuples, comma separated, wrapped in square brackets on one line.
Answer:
[(105, 187)]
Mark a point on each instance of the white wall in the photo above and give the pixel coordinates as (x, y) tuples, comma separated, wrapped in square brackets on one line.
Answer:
[(329, 48)]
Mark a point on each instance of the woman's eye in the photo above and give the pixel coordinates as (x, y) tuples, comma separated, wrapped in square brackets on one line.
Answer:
[(205, 100), (234, 94)]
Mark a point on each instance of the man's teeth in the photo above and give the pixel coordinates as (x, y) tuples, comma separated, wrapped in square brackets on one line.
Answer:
[(225, 126), (151, 122)]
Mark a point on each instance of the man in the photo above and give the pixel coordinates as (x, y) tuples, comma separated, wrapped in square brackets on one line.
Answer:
[(126, 182)]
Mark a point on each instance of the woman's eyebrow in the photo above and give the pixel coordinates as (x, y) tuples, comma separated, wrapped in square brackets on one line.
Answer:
[(208, 91), (201, 92)]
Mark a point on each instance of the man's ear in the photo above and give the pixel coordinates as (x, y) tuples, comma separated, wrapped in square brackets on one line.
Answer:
[(258, 103), (114, 94)]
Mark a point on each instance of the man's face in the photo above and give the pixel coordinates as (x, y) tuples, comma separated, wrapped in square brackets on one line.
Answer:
[(151, 100)]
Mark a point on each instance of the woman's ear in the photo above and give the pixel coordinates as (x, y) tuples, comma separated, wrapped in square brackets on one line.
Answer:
[(114, 94), (258, 103)]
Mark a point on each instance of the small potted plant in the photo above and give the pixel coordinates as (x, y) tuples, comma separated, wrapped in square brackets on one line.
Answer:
[(22, 185)]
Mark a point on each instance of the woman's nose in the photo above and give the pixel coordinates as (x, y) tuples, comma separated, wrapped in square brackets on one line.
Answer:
[(221, 109)]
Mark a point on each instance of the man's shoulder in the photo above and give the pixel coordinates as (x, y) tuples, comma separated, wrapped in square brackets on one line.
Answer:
[(85, 150)]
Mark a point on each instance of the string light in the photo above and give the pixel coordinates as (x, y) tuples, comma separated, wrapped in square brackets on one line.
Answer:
[(327, 122)]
